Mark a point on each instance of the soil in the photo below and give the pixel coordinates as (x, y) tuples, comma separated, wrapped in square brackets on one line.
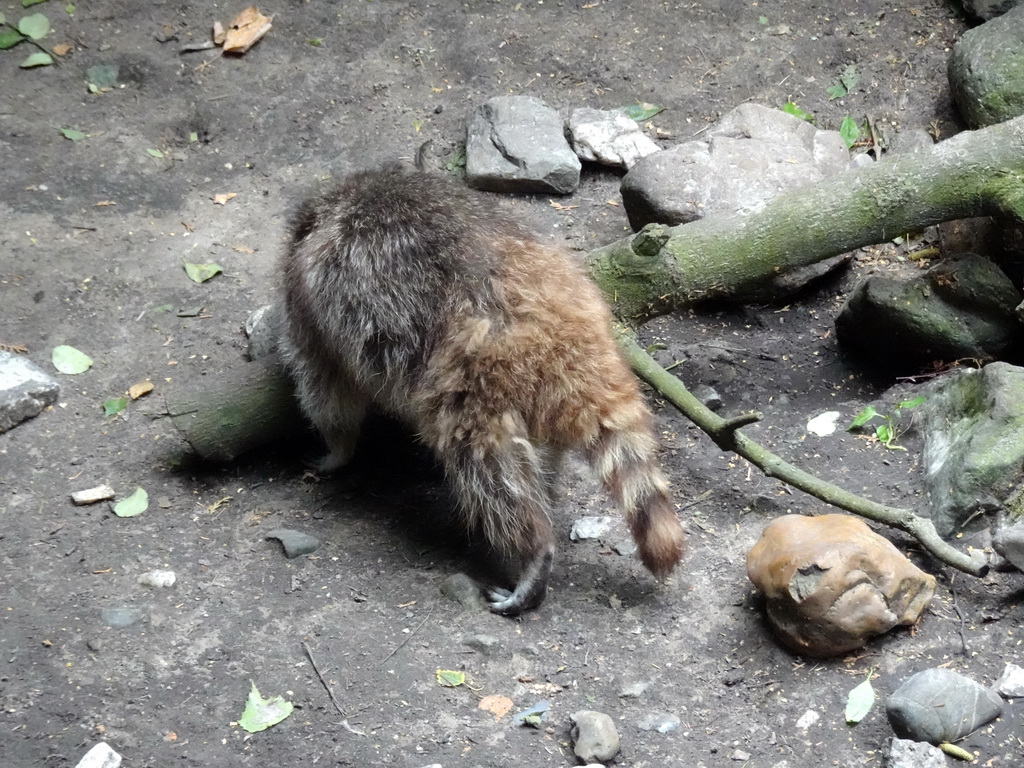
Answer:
[(91, 253)]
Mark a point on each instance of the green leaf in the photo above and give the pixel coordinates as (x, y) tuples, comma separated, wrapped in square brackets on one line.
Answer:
[(762, 20), (261, 713), (9, 37), (884, 433), (450, 678), (791, 108), (200, 273), (859, 702), (154, 153), (863, 418), (850, 131), (35, 26), (71, 133), (642, 111), (134, 505), (849, 77), (69, 360), (908, 404), (37, 59), (193, 137), (316, 42), (30, 3), (114, 405), (3, 19), (69, 8), (836, 91)]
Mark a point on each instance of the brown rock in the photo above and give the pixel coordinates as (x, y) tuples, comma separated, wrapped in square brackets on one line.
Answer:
[(832, 583)]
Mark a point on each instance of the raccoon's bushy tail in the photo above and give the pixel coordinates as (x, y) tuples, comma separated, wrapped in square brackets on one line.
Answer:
[(624, 457)]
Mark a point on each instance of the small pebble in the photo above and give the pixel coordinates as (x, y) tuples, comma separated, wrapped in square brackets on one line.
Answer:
[(590, 528), (157, 579), (92, 495), (662, 722), (904, 753)]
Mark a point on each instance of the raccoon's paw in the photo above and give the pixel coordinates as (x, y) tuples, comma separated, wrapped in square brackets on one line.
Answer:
[(329, 464), (502, 601)]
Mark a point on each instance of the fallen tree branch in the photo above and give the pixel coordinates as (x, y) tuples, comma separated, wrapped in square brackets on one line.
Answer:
[(726, 435), (737, 258)]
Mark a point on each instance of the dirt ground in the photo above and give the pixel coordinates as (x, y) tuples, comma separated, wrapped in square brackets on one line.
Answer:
[(91, 251)]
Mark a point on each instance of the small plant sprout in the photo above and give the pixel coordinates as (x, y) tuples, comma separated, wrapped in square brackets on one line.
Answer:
[(886, 432)]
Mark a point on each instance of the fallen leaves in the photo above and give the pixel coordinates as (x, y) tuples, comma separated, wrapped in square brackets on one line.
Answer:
[(245, 30)]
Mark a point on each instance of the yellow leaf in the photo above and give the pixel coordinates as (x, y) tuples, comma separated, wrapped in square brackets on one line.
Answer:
[(223, 198), (135, 391)]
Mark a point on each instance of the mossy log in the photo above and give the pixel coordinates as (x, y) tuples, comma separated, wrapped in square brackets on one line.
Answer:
[(662, 269)]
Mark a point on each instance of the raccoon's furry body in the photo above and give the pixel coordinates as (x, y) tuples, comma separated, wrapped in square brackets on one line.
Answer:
[(410, 293)]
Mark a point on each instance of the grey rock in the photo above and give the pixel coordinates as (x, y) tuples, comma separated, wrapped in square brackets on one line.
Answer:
[(1009, 541), (595, 739), (608, 137), (590, 528), (463, 590), (904, 753), (662, 722), (1010, 684), (989, 9), (295, 543), (751, 155), (24, 390), (862, 160), (986, 70), (961, 307), (911, 142), (634, 690), (938, 705), (263, 327), (517, 144), (485, 644), (708, 396), (974, 443), (100, 756)]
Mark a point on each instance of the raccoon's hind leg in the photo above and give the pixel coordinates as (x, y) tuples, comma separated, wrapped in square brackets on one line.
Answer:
[(336, 406), (502, 490)]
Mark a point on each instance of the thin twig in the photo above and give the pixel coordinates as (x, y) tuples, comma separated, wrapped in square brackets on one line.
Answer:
[(956, 607), (407, 638), (725, 435), (323, 681)]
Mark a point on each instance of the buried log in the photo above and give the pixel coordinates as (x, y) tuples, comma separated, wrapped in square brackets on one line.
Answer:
[(736, 258)]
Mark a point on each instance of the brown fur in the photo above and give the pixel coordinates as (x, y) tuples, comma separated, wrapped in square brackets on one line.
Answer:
[(410, 293)]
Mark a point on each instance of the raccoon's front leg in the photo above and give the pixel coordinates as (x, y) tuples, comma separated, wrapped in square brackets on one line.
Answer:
[(502, 490)]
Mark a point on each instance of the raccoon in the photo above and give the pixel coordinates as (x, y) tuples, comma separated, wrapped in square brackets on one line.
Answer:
[(406, 292)]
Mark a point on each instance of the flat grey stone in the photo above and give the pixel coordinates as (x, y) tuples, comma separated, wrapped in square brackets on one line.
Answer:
[(264, 327), (1010, 684), (662, 722), (938, 705), (295, 543), (590, 528), (608, 137), (986, 70), (517, 144), (24, 390), (1009, 541), (485, 644)]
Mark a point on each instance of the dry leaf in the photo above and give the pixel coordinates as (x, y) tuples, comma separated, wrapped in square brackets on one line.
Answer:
[(245, 30), (499, 706), (188, 226), (135, 391), (18, 349), (242, 249), (223, 199), (105, 202), (218, 33), (62, 49), (559, 207)]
